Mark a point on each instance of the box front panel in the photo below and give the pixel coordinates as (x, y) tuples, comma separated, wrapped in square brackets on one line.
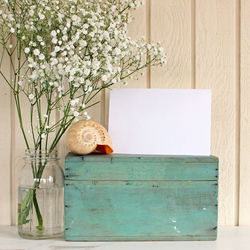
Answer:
[(140, 210)]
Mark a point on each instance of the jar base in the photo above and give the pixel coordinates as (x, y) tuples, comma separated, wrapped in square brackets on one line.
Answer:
[(40, 235)]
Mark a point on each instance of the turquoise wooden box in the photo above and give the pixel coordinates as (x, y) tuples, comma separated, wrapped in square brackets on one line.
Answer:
[(138, 198)]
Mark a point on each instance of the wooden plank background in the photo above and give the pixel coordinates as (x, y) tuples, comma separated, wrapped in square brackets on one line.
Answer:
[(244, 205), (208, 47), (216, 69), (5, 148)]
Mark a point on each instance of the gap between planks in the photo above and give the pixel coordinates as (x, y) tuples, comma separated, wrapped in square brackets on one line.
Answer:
[(193, 44), (12, 153), (238, 107), (148, 39)]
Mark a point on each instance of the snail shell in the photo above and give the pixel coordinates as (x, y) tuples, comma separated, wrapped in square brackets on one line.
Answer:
[(85, 136)]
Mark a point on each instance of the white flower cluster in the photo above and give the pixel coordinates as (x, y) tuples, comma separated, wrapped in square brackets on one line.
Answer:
[(75, 48)]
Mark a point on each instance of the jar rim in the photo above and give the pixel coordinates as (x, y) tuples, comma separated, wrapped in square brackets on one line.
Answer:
[(37, 154)]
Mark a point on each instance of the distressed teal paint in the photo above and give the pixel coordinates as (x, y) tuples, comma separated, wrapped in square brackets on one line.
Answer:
[(140, 198)]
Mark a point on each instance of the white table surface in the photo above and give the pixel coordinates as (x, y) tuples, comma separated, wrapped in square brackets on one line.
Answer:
[(229, 238)]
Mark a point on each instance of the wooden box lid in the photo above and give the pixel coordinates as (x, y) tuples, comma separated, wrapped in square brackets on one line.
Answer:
[(141, 167)]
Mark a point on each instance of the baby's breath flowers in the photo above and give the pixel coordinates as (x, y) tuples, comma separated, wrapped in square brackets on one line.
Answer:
[(62, 54), (66, 53)]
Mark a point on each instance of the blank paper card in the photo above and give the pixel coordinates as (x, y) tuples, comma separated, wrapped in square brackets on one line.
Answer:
[(160, 121)]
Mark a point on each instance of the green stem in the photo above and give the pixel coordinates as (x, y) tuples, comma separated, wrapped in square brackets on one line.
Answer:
[(24, 210), (27, 201), (38, 213), (19, 112), (6, 80), (31, 123)]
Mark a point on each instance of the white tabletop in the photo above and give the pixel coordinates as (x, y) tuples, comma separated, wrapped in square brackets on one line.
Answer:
[(229, 238)]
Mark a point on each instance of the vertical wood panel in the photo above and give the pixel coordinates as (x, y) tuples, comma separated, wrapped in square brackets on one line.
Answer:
[(136, 30), (244, 209), (5, 146), (216, 69), (171, 24), (18, 150)]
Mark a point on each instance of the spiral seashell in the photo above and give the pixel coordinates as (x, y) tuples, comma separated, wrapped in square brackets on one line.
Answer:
[(85, 136)]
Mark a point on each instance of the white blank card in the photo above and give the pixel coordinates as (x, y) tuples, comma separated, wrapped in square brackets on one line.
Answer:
[(160, 121)]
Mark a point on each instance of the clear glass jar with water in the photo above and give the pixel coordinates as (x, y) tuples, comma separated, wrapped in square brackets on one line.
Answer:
[(41, 197)]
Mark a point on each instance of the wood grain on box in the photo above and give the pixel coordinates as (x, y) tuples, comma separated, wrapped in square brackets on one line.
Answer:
[(126, 197)]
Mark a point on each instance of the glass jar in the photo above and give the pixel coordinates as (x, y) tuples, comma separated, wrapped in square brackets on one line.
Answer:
[(41, 197)]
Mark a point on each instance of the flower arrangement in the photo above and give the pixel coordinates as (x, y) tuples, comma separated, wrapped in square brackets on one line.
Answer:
[(65, 52)]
